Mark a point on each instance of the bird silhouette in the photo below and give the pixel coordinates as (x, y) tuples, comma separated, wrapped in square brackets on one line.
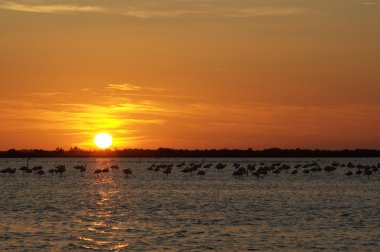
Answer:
[(349, 173), (167, 171), (127, 172), (40, 172), (60, 169), (201, 173)]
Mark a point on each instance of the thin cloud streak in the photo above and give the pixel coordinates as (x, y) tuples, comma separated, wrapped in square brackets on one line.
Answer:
[(124, 87), (212, 9), (55, 8), (217, 12), (47, 94)]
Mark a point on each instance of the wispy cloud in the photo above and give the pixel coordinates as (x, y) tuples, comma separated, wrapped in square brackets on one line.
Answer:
[(124, 87), (368, 3), (48, 8), (45, 94), (166, 9), (256, 12), (216, 12), (137, 90)]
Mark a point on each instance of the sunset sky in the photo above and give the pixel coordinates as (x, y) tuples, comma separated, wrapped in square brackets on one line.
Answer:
[(190, 73)]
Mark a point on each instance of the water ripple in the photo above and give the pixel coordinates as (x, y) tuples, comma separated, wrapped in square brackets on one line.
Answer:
[(217, 213)]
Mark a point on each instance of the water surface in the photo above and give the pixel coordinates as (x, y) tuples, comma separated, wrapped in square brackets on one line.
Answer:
[(152, 212)]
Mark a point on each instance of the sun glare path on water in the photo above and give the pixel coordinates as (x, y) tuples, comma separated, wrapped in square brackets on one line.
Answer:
[(103, 140)]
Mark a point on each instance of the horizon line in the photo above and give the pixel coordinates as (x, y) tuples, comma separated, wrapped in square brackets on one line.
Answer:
[(115, 149)]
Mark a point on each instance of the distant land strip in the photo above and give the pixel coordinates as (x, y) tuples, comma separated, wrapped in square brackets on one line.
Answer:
[(184, 153)]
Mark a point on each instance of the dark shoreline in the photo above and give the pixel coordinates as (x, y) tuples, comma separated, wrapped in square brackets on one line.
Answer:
[(181, 153)]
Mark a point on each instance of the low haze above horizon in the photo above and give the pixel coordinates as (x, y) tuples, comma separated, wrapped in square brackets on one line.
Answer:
[(190, 73)]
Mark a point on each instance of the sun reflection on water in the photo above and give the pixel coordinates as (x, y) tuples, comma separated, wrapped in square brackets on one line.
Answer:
[(100, 223)]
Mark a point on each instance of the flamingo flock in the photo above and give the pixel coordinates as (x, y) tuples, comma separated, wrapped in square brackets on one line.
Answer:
[(260, 170)]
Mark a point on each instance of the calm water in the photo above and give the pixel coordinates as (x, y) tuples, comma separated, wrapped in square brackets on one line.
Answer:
[(149, 212)]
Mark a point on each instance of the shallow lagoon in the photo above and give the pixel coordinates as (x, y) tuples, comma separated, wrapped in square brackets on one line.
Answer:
[(149, 211)]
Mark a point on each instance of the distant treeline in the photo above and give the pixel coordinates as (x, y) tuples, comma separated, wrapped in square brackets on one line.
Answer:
[(182, 153)]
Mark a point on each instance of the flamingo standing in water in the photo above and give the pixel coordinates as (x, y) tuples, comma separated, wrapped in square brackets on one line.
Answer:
[(115, 167), (24, 169), (12, 171), (40, 172), (82, 170), (97, 172), (349, 174), (367, 172), (201, 173), (167, 171), (37, 168), (240, 172), (220, 166), (8, 170), (60, 169), (127, 172), (277, 171)]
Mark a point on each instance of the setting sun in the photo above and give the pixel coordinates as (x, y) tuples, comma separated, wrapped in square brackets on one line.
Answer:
[(103, 140)]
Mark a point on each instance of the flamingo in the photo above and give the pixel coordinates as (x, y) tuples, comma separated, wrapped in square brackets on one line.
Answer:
[(206, 166), (127, 172), (349, 174), (251, 167), (201, 173), (167, 171), (329, 169), (24, 169), (80, 167), (115, 167), (350, 165), (240, 172), (277, 171), (37, 168), (220, 166), (367, 172), (40, 172), (8, 170), (236, 165), (316, 169), (285, 167), (259, 174), (60, 169), (181, 164), (97, 172), (83, 169)]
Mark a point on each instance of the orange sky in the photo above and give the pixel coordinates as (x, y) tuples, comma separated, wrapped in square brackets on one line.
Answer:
[(190, 74)]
